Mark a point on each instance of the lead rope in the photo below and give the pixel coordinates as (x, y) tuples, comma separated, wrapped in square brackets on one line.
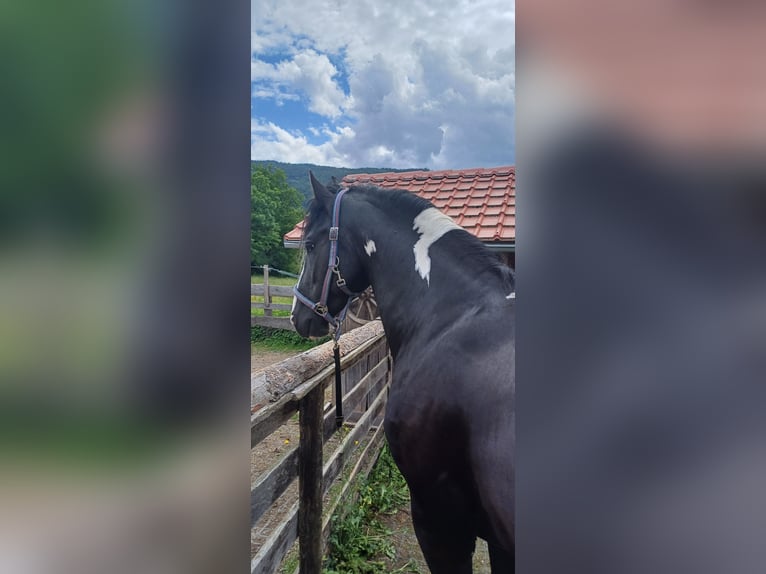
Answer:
[(338, 389), (336, 355)]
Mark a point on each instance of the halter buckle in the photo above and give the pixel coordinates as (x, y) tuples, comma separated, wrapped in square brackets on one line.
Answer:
[(341, 282), (320, 309), (333, 234)]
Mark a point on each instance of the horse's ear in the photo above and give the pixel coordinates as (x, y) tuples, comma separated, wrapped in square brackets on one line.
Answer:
[(321, 193)]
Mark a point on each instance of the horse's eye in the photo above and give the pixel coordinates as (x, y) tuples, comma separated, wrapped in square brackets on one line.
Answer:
[(309, 246)]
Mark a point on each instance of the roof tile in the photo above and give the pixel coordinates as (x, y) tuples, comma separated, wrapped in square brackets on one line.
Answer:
[(491, 220), (475, 201), (472, 211), (482, 200)]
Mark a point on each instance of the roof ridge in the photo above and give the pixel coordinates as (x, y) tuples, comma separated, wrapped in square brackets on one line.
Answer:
[(436, 174), (482, 199)]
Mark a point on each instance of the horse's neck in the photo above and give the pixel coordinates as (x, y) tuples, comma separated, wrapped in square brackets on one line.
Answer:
[(419, 287)]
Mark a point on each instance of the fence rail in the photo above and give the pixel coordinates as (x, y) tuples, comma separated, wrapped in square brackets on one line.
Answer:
[(274, 290), (298, 385), (268, 292)]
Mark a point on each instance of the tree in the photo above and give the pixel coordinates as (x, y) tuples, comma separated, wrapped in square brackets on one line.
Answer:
[(275, 208)]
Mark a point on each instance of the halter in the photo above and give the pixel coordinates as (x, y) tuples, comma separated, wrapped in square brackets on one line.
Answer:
[(320, 307)]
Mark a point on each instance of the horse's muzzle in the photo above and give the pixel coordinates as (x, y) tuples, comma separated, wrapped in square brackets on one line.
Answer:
[(310, 325)]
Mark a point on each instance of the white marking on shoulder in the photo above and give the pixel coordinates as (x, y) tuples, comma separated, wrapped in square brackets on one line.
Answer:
[(431, 224), (511, 295), (369, 247)]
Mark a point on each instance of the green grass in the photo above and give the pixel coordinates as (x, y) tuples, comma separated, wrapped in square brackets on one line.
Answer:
[(273, 280), (291, 561), (281, 340), (359, 542), (268, 339), (258, 312)]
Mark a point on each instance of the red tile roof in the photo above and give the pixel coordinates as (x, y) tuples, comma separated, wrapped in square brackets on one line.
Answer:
[(482, 200)]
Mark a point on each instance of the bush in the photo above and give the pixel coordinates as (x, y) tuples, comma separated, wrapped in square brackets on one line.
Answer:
[(358, 540), (281, 339)]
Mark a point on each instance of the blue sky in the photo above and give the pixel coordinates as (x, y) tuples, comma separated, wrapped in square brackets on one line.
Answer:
[(365, 83)]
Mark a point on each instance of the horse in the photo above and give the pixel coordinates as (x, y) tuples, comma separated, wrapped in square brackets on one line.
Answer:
[(447, 305)]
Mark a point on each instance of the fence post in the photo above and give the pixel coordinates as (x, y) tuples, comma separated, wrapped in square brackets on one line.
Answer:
[(266, 292), (310, 482)]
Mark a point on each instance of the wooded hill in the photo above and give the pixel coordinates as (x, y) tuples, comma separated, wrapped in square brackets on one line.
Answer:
[(298, 173)]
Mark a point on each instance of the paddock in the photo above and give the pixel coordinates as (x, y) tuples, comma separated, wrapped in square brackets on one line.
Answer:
[(326, 460), (270, 304)]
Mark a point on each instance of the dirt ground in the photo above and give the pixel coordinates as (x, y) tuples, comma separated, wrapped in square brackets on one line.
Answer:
[(409, 558), (261, 358)]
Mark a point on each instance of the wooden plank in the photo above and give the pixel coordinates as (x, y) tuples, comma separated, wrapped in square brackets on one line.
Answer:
[(281, 291), (307, 517), (274, 381), (272, 484), (273, 322), (335, 465), (310, 483), (266, 292), (327, 374), (281, 545), (257, 289), (361, 469), (376, 388), (356, 394), (268, 419), (320, 380), (352, 376), (273, 551), (354, 397)]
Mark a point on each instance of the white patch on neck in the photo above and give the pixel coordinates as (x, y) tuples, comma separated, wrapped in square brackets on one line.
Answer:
[(369, 247), (431, 224), (511, 295)]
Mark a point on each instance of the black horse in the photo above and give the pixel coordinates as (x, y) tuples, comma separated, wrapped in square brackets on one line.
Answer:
[(447, 306)]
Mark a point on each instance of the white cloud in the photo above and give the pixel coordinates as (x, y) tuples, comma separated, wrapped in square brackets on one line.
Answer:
[(431, 83), (269, 141), (308, 72)]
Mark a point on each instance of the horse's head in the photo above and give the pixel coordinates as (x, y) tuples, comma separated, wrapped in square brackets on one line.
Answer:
[(325, 285)]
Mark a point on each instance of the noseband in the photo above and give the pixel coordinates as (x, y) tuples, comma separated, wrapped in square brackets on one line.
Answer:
[(320, 307)]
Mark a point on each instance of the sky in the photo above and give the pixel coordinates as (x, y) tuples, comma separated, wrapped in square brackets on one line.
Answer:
[(366, 83)]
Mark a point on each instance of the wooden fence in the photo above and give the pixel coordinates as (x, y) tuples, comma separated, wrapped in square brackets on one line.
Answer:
[(268, 292), (298, 385)]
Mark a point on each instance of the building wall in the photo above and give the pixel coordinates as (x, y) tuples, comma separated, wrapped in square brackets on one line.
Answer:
[(508, 257)]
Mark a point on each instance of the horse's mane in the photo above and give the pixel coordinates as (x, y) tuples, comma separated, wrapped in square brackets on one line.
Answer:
[(402, 201)]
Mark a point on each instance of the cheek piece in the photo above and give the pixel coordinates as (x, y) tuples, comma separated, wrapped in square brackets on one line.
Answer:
[(333, 263)]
